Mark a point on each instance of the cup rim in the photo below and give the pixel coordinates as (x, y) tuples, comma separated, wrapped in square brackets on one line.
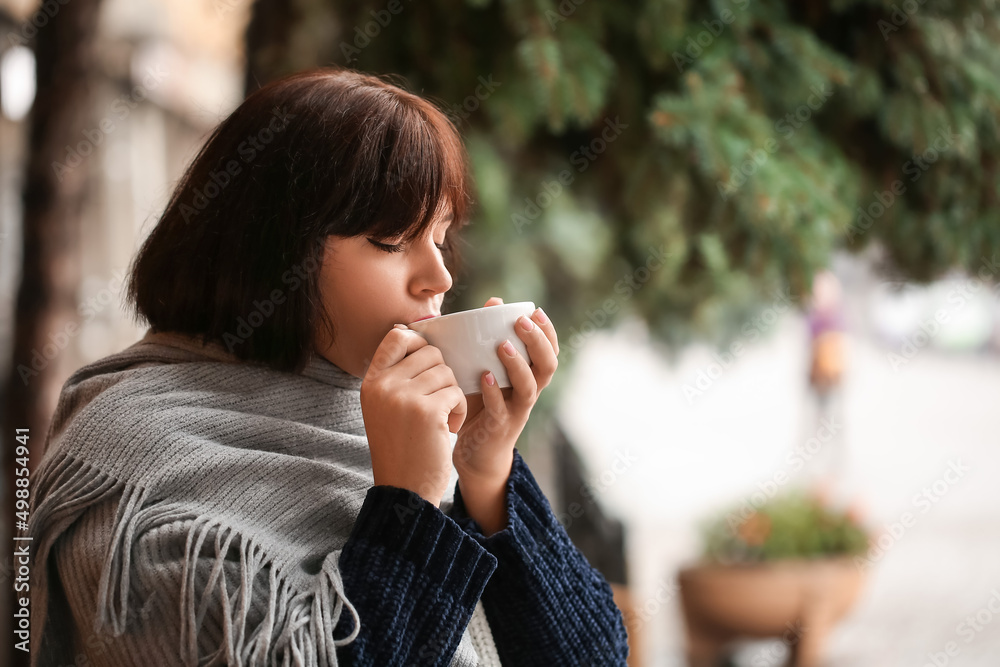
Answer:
[(465, 312)]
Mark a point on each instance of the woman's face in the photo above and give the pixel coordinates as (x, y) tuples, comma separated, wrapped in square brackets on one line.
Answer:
[(366, 290)]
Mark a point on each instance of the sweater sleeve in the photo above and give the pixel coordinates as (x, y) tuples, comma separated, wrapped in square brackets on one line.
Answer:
[(545, 603), (414, 577)]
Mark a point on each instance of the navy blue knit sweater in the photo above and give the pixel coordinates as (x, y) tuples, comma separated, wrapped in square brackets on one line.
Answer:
[(415, 574)]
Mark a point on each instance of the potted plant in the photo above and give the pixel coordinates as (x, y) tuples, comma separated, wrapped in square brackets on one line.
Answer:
[(781, 570)]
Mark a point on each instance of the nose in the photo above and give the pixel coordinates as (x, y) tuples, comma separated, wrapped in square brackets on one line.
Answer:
[(431, 276)]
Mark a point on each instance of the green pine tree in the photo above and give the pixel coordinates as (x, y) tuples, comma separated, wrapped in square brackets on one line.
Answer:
[(687, 161)]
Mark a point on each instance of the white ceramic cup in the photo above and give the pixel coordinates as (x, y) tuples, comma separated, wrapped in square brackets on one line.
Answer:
[(469, 339)]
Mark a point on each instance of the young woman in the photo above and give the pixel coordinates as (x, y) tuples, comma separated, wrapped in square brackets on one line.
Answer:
[(261, 479)]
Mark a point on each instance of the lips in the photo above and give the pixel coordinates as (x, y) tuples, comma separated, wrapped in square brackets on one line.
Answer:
[(425, 317)]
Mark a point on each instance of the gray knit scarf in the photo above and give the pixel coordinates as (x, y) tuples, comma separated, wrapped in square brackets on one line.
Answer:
[(214, 455)]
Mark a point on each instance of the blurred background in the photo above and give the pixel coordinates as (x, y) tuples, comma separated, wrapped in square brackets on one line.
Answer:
[(767, 233)]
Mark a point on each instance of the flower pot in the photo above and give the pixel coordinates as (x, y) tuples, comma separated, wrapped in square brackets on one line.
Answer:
[(798, 601)]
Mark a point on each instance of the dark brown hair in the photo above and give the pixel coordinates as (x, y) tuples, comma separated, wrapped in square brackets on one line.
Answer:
[(235, 257)]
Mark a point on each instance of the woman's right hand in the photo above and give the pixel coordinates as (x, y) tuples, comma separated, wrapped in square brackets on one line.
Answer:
[(410, 402)]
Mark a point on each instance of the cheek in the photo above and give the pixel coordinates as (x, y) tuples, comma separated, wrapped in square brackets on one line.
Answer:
[(331, 296), (364, 311), (366, 293)]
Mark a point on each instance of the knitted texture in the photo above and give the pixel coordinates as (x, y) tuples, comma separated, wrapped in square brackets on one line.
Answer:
[(481, 637), (196, 510), (544, 593), (190, 509)]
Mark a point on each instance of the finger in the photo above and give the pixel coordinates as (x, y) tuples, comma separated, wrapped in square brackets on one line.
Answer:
[(453, 405), (426, 357), (549, 329), (434, 378), (493, 301), (543, 357), (522, 380), (396, 345), (493, 401)]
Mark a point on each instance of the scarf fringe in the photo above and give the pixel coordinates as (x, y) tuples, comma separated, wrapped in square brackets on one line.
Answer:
[(307, 619)]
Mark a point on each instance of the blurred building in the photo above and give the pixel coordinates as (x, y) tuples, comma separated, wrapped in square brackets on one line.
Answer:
[(167, 74)]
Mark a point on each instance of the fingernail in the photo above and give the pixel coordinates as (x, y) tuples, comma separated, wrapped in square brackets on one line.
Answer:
[(527, 324), (508, 348), (400, 326), (540, 314), (490, 380)]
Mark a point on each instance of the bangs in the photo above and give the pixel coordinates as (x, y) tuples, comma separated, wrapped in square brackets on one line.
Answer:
[(421, 171), (336, 153)]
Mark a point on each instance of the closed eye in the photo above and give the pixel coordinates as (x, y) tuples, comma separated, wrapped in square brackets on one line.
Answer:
[(399, 247), (386, 247)]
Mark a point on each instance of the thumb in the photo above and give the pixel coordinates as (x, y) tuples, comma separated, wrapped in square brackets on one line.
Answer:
[(493, 301), (398, 344)]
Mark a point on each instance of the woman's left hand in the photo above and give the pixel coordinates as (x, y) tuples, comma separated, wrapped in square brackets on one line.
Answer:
[(484, 450)]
